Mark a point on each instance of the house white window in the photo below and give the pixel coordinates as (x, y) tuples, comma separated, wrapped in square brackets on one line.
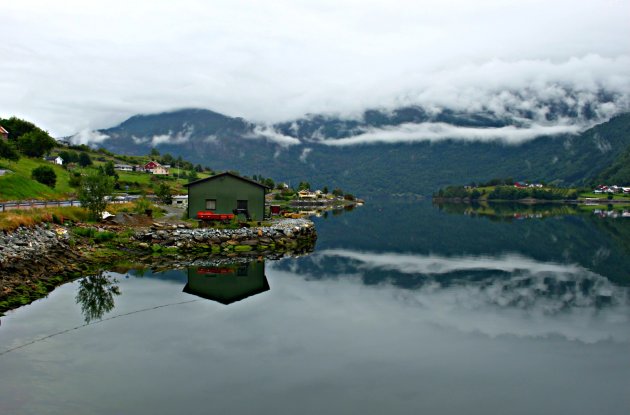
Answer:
[(211, 204)]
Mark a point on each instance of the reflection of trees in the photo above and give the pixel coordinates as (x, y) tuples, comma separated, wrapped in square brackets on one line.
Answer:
[(96, 295), (507, 211)]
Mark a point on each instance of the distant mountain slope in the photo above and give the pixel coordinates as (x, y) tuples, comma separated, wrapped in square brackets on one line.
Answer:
[(619, 172), (292, 151)]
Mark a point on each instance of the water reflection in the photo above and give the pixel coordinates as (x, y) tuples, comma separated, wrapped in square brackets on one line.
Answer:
[(477, 284), (510, 211), (96, 295), (227, 282), (493, 295)]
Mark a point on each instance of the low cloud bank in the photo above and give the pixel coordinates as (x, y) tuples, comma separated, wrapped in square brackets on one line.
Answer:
[(409, 132), (273, 136), (88, 137)]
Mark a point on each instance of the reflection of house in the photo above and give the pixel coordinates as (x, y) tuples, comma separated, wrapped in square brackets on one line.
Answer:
[(55, 160), (227, 284), (226, 193), (4, 134)]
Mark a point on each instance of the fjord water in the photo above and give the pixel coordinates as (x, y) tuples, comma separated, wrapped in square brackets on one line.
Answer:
[(403, 308)]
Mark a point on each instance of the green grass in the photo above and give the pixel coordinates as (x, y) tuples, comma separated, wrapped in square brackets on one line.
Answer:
[(19, 185), (16, 187), (605, 196)]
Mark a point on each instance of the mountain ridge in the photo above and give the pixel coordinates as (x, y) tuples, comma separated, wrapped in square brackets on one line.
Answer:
[(301, 148)]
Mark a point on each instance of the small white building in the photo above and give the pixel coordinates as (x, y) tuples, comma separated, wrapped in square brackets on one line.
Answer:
[(55, 160), (123, 167), (180, 201)]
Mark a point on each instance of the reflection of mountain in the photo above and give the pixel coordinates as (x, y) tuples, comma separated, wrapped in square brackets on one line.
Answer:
[(507, 281), (227, 282), (419, 228)]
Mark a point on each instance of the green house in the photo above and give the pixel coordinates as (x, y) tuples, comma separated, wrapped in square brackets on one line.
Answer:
[(227, 193), (227, 283)]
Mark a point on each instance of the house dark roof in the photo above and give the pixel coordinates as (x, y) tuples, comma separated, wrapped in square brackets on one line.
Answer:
[(227, 173)]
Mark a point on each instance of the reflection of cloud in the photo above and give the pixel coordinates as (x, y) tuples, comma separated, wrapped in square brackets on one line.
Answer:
[(538, 299), (437, 264)]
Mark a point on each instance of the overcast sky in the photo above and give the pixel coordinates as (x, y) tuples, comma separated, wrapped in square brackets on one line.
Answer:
[(73, 64)]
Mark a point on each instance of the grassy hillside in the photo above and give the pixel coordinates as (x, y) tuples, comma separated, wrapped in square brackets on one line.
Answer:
[(20, 186)]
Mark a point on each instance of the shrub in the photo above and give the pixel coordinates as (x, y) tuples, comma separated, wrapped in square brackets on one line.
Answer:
[(142, 205), (104, 236), (45, 175)]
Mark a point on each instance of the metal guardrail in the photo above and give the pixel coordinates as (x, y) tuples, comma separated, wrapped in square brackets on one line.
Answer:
[(34, 204)]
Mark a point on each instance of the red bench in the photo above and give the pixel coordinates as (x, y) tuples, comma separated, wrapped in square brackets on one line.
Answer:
[(211, 216)]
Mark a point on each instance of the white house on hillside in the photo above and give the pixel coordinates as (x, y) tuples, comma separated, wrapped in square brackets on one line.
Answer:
[(55, 160)]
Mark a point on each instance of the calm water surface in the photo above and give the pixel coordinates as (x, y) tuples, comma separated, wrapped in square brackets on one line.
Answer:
[(403, 308)]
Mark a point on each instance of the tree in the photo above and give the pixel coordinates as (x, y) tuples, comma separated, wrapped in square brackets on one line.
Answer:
[(192, 176), (84, 159), (304, 186), (35, 143), (108, 170), (163, 193), (45, 175), (167, 159), (154, 153), (269, 183), (7, 151), (337, 192), (17, 127), (69, 156), (93, 191), (75, 179), (325, 190)]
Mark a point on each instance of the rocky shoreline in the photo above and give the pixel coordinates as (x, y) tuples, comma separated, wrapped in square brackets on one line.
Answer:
[(33, 261), (282, 235)]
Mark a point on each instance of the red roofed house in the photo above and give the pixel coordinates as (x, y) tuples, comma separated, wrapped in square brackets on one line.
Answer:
[(4, 134), (155, 168)]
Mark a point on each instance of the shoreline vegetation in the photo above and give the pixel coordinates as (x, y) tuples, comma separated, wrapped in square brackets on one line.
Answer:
[(508, 191)]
